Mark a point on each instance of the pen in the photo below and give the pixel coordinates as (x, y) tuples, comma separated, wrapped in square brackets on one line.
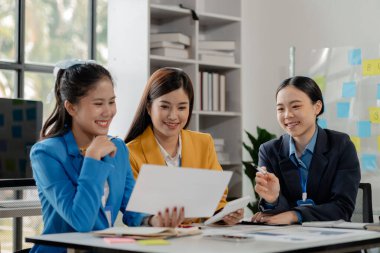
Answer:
[(261, 170)]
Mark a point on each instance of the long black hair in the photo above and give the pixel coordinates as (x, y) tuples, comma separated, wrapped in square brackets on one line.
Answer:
[(307, 86), (161, 82), (71, 84)]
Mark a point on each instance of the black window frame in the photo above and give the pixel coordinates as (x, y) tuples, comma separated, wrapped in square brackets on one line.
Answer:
[(20, 66)]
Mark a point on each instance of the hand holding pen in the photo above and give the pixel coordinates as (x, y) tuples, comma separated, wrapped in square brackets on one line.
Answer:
[(267, 185)]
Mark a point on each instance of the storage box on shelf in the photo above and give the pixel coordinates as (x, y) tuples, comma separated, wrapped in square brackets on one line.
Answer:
[(220, 25)]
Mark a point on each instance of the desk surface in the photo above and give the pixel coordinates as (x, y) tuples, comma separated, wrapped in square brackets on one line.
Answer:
[(352, 240)]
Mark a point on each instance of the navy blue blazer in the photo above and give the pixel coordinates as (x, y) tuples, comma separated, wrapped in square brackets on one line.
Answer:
[(333, 179)]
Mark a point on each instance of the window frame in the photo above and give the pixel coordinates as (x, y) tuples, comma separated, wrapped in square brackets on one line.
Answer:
[(20, 66)]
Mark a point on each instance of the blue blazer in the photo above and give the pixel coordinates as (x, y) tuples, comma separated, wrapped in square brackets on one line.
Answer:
[(333, 179), (70, 187)]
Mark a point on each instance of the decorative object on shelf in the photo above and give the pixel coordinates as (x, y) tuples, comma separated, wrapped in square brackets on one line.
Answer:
[(250, 166)]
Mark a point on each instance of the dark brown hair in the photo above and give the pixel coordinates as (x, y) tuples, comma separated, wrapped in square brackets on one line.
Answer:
[(161, 82), (307, 86), (71, 84)]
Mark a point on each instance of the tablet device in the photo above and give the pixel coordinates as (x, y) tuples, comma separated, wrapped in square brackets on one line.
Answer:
[(230, 207)]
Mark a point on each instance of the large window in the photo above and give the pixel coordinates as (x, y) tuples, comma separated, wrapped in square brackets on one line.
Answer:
[(35, 34)]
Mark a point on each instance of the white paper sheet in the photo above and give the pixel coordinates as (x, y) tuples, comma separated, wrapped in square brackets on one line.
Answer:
[(197, 190)]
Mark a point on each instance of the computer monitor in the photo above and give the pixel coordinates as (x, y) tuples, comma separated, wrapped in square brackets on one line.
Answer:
[(20, 125)]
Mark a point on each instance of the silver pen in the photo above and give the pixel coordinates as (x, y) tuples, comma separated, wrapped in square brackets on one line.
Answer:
[(261, 170)]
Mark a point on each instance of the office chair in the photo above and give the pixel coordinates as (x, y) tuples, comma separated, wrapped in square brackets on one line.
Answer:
[(363, 208)]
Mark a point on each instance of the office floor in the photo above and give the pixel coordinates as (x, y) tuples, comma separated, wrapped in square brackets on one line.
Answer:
[(31, 226)]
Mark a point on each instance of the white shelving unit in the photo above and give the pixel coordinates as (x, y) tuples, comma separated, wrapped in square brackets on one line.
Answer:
[(130, 61)]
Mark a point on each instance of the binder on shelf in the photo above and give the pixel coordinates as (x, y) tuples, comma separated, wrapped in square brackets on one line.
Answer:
[(217, 45), (171, 52), (166, 44), (222, 90), (173, 37)]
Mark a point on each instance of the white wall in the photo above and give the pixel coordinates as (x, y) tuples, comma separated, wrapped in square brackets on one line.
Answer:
[(270, 27)]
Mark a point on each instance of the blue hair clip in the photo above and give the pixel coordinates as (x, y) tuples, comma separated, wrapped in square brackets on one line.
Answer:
[(65, 64)]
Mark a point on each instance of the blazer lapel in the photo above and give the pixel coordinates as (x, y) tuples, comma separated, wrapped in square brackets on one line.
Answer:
[(289, 171), (150, 148), (187, 160), (318, 163)]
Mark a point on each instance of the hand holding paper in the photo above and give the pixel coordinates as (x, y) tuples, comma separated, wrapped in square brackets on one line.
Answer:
[(197, 190)]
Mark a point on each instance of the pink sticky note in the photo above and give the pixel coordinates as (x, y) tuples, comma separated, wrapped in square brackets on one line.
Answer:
[(119, 240)]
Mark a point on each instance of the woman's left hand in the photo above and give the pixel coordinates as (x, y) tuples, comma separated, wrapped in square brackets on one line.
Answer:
[(234, 217)]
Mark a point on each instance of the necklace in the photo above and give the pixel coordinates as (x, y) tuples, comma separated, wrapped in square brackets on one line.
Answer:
[(83, 150)]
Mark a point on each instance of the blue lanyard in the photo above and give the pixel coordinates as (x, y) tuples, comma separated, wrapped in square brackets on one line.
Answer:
[(303, 182)]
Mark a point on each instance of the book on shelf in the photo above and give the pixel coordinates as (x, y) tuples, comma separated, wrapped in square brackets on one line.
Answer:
[(217, 59), (209, 92), (171, 52), (223, 157), (215, 52), (219, 141), (222, 91), (215, 91), (172, 37), (219, 148), (204, 102), (342, 224), (198, 92), (166, 44), (147, 232), (217, 45), (212, 92)]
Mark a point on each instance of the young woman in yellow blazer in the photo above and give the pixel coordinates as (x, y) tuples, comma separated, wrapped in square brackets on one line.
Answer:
[(158, 133)]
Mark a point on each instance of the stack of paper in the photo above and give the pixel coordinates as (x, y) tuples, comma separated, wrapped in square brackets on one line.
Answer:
[(170, 44), (342, 224), (147, 232)]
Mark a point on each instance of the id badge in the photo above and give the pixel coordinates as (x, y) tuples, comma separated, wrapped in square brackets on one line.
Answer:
[(306, 202)]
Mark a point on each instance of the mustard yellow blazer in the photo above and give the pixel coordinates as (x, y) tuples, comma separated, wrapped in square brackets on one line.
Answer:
[(198, 151)]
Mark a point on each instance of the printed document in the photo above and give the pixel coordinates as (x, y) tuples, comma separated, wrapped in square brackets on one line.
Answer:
[(197, 190)]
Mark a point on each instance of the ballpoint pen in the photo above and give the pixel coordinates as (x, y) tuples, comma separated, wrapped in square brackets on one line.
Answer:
[(261, 170)]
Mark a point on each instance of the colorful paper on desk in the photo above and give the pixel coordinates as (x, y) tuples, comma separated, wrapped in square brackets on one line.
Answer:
[(197, 190)]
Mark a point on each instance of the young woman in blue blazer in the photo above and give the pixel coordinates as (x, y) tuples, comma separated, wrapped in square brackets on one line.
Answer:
[(309, 173), (83, 176)]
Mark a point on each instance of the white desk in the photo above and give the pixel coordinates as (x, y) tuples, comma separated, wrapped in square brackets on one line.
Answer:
[(197, 243)]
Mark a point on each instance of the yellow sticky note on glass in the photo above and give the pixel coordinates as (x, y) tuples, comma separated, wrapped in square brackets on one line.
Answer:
[(153, 242), (321, 81), (356, 141), (374, 114), (371, 67)]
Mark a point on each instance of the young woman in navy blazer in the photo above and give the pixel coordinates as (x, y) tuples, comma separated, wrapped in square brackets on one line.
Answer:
[(313, 173)]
